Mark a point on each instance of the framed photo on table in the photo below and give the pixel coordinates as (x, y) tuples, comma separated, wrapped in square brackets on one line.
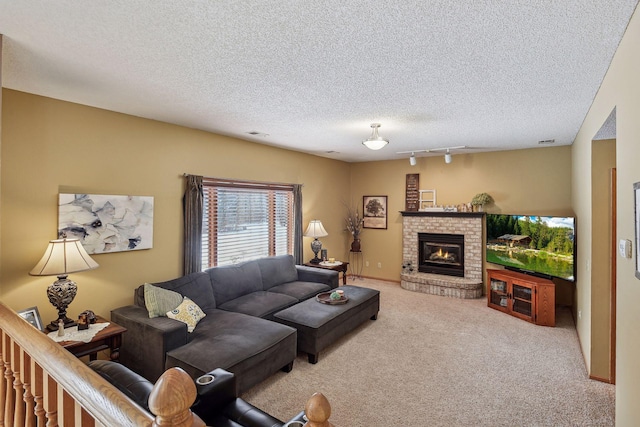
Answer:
[(32, 316), (374, 210)]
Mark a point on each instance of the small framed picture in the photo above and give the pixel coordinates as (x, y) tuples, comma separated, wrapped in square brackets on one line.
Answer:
[(374, 210), (32, 316)]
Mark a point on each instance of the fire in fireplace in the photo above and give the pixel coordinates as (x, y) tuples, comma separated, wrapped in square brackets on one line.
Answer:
[(441, 254)]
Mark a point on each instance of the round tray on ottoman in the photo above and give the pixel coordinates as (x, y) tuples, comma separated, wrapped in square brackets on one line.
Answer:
[(325, 298)]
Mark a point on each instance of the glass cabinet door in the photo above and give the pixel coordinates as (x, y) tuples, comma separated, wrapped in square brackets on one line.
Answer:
[(522, 302), (498, 289)]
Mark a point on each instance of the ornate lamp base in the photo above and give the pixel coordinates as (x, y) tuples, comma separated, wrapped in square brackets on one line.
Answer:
[(316, 246), (61, 293)]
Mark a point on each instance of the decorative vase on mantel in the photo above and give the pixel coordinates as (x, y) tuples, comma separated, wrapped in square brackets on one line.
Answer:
[(355, 245)]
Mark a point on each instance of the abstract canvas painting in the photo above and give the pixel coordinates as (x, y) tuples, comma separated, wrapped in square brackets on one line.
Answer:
[(106, 223)]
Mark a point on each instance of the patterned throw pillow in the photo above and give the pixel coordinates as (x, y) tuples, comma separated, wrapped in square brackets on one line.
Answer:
[(188, 312), (158, 300)]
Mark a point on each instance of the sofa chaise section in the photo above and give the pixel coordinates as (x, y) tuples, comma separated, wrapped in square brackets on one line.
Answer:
[(254, 347)]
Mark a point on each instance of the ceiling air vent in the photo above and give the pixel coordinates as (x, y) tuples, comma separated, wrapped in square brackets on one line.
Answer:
[(547, 141), (256, 133)]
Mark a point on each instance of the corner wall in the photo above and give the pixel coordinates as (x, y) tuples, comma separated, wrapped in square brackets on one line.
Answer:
[(620, 89), (534, 181)]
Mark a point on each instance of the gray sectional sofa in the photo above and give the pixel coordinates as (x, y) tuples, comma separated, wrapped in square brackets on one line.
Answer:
[(236, 334)]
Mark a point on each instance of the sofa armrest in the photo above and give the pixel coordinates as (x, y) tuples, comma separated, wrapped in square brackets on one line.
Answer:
[(245, 414), (124, 379), (216, 389), (147, 341), (319, 275), (217, 402)]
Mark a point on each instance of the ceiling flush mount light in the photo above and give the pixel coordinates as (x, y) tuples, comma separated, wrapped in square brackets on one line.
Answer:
[(375, 141), (412, 159)]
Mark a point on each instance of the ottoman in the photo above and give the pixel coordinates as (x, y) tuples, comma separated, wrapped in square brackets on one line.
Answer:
[(319, 325)]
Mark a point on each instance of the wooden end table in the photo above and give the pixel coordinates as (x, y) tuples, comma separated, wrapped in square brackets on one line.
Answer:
[(108, 338), (339, 268)]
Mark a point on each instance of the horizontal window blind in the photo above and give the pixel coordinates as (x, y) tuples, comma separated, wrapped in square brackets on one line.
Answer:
[(245, 220)]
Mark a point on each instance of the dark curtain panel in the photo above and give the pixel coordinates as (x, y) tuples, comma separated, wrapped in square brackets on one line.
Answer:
[(192, 204), (297, 221)]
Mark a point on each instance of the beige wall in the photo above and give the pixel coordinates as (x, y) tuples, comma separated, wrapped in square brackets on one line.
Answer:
[(621, 90), (52, 146), (534, 181)]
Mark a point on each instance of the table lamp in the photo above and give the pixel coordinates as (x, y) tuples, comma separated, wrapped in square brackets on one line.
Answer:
[(315, 230), (63, 256)]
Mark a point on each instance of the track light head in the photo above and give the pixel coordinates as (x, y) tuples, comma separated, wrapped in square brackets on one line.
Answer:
[(447, 157), (412, 159)]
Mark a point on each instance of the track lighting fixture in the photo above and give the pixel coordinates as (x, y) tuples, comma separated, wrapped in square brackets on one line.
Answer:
[(375, 141), (448, 157)]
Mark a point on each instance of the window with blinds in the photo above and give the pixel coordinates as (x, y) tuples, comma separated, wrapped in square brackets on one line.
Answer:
[(245, 220)]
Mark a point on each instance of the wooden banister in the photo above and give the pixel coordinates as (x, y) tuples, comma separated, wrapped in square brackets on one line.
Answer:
[(42, 384), (45, 384)]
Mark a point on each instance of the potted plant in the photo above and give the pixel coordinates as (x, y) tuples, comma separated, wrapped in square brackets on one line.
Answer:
[(481, 199)]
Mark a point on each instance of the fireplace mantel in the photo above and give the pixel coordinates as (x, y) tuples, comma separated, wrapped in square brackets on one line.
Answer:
[(443, 214)]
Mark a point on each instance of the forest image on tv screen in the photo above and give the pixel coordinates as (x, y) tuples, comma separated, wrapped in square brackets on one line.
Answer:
[(532, 243)]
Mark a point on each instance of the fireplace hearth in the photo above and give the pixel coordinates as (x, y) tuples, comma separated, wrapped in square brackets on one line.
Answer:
[(441, 254)]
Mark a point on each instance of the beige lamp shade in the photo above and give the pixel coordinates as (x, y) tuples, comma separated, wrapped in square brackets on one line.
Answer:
[(63, 256), (315, 229)]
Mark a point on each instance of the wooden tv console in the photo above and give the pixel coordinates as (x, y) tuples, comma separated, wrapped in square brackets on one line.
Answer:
[(526, 297)]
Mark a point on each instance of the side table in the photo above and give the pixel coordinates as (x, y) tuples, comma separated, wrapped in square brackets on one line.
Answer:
[(108, 338), (342, 267)]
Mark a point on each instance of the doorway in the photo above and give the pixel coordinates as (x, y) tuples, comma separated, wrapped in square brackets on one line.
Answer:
[(603, 253)]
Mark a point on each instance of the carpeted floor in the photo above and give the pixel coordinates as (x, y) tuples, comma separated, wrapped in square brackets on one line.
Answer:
[(437, 361)]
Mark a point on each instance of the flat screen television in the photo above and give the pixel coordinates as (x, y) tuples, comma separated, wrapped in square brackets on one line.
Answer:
[(540, 245)]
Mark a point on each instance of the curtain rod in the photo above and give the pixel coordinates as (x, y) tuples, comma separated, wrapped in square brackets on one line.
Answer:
[(184, 175)]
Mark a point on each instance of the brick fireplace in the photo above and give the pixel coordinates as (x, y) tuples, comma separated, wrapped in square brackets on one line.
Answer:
[(424, 233)]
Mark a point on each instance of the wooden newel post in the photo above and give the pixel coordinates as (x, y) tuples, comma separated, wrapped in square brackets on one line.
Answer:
[(318, 411), (170, 400)]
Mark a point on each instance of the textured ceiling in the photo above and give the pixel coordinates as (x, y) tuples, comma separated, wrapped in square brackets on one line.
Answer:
[(313, 76)]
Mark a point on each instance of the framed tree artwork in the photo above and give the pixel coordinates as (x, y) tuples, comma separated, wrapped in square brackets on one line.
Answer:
[(374, 210)]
